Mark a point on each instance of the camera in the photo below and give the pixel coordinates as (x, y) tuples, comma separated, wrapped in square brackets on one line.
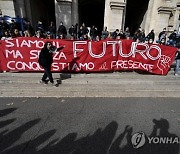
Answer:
[(53, 49)]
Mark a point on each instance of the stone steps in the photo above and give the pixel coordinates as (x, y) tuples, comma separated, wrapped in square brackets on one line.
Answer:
[(124, 84)]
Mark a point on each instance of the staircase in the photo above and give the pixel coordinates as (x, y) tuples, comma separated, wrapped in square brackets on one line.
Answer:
[(117, 84)]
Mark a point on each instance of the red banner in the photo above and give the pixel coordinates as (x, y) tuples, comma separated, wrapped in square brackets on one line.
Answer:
[(21, 54)]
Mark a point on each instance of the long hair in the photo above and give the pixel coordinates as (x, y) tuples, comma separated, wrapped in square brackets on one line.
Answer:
[(45, 45)]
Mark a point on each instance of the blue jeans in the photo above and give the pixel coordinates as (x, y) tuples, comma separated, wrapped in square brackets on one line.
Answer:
[(177, 66)]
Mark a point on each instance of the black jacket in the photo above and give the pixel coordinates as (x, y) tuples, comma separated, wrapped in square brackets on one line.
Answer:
[(151, 35), (45, 58), (72, 31), (178, 55), (62, 30)]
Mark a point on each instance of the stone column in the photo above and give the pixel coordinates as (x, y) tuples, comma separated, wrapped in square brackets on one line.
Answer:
[(164, 16), (28, 11), (157, 17), (75, 14), (7, 8), (114, 14), (147, 18), (63, 12), (20, 8)]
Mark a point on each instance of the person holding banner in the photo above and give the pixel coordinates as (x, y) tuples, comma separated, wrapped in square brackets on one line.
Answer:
[(177, 69)]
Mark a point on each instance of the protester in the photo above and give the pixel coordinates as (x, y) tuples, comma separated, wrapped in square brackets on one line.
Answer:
[(3, 27), (85, 30), (28, 27), (48, 35), (151, 36), (46, 60), (12, 26), (52, 30), (39, 34), (127, 33), (115, 34), (27, 33), (122, 35), (177, 69), (76, 31), (162, 42), (105, 33), (172, 38), (61, 37), (72, 32), (6, 35), (85, 37), (162, 35), (142, 36), (62, 30), (93, 33), (137, 35), (16, 33), (80, 33), (97, 38), (178, 40), (150, 41), (40, 26)]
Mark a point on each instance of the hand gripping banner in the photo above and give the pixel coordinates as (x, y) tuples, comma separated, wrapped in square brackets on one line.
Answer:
[(21, 54)]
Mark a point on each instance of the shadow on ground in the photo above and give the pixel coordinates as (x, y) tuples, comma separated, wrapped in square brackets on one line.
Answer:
[(102, 141)]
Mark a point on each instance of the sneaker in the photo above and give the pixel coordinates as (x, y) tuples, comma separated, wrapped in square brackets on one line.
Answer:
[(176, 74), (59, 81), (43, 82), (53, 84)]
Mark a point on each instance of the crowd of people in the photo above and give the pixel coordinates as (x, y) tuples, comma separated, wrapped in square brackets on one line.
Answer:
[(76, 32)]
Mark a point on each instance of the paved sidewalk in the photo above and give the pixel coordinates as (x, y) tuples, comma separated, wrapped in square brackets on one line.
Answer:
[(124, 84)]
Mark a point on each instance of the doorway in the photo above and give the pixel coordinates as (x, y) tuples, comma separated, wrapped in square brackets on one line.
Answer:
[(43, 10), (92, 13), (135, 11)]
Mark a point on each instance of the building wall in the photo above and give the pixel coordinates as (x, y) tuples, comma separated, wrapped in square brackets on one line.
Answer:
[(114, 15), (160, 13), (63, 12), (7, 7), (19, 6), (67, 12)]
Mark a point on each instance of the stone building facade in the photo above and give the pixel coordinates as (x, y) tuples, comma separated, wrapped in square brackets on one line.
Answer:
[(115, 14)]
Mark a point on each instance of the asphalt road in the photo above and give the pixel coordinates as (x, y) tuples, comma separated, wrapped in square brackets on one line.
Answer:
[(88, 125)]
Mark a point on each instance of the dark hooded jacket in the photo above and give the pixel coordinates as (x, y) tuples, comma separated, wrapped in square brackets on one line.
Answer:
[(45, 57)]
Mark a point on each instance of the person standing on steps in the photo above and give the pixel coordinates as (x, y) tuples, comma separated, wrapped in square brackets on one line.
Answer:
[(177, 69), (46, 60)]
